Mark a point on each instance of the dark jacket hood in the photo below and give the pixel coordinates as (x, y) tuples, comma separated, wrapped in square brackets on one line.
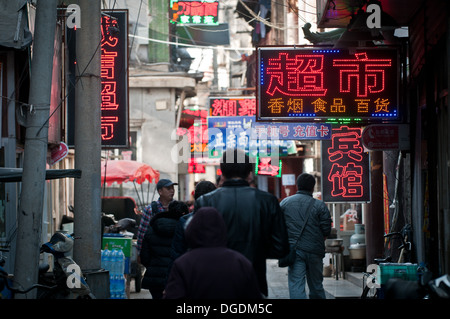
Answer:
[(206, 229), (163, 223)]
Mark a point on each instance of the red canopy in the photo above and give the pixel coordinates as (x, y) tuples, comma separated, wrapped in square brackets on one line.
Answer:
[(127, 171)]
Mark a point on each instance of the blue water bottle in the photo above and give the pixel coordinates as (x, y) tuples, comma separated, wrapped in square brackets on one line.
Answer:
[(107, 258), (121, 262)]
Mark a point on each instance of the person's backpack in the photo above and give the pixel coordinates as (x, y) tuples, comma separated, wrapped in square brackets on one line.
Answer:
[(154, 206)]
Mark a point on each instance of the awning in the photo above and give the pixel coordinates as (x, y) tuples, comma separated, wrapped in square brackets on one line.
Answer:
[(123, 171), (14, 32), (11, 175), (204, 35)]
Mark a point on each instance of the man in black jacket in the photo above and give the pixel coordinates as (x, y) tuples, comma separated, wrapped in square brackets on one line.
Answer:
[(256, 226)]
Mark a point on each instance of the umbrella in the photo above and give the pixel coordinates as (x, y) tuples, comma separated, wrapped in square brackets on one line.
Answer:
[(127, 171), (123, 171)]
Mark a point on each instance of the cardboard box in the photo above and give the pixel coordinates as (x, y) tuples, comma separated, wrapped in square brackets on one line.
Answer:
[(119, 242), (349, 223)]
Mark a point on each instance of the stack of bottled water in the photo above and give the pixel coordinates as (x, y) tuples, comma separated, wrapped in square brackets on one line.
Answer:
[(114, 262)]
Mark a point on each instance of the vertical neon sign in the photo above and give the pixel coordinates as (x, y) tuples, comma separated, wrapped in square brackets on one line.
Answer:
[(114, 78), (345, 167)]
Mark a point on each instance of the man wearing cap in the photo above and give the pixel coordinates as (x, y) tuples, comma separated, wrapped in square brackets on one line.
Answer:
[(166, 192), (311, 246)]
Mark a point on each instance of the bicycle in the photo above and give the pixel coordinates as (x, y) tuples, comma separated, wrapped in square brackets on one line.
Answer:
[(371, 287)]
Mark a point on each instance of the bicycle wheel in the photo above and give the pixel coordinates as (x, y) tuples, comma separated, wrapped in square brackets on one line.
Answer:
[(369, 293)]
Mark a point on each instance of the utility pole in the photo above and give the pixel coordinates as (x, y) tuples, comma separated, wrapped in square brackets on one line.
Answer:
[(29, 217), (87, 195)]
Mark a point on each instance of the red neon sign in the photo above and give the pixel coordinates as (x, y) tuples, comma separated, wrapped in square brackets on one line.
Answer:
[(114, 80), (369, 74), (113, 72), (304, 84), (264, 166), (296, 75), (345, 167), (198, 138), (237, 106), (194, 167)]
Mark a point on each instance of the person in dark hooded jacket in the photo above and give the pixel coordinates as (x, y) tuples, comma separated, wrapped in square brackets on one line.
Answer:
[(179, 245), (210, 270), (156, 247), (255, 224)]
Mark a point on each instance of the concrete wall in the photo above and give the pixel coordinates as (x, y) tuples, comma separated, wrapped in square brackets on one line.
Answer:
[(153, 106)]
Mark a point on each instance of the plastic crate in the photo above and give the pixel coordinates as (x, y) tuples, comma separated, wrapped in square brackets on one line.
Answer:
[(405, 271)]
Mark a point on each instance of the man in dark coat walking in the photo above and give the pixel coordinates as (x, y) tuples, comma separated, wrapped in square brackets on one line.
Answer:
[(255, 224), (210, 270)]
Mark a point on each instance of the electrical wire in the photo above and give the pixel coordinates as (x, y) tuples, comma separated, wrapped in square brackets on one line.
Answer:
[(257, 17), (192, 45)]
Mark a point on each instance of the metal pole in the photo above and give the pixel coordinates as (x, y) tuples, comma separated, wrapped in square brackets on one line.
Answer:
[(87, 195), (30, 213)]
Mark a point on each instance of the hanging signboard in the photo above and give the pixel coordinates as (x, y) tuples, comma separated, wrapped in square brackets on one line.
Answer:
[(198, 139), (305, 84), (292, 131), (265, 166), (345, 167), (114, 80), (386, 137), (194, 11), (114, 75), (58, 153), (236, 132), (232, 106)]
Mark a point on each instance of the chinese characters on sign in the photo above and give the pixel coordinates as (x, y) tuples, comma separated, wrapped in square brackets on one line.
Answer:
[(194, 12), (226, 106), (114, 91), (198, 138), (114, 80), (345, 167), (292, 131), (305, 84), (236, 132)]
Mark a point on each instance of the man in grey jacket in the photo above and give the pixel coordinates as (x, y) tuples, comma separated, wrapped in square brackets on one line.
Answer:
[(311, 247)]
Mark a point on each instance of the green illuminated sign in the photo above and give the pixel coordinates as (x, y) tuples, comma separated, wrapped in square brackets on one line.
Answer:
[(194, 12)]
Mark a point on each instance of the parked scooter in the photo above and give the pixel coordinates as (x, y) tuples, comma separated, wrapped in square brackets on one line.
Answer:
[(67, 275), (7, 291), (122, 226), (109, 224), (424, 288), (66, 281)]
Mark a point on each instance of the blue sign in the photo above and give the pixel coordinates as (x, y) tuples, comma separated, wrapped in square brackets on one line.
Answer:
[(292, 131), (236, 132)]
